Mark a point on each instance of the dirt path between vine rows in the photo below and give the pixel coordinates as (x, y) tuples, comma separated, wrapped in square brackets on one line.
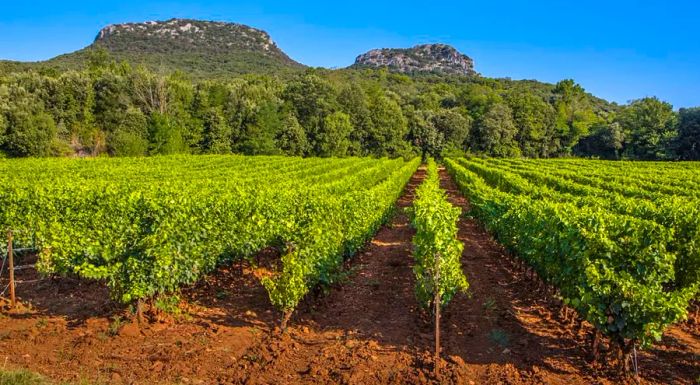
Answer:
[(366, 329)]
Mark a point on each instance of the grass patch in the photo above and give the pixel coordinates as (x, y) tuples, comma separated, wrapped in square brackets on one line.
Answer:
[(115, 325), (21, 377), (26, 377)]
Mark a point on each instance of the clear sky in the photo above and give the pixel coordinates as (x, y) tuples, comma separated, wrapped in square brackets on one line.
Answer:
[(618, 50)]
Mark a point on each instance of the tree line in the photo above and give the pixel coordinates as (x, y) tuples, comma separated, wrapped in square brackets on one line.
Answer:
[(115, 109)]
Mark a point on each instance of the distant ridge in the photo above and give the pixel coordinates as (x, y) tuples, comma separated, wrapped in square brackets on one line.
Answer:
[(201, 48)]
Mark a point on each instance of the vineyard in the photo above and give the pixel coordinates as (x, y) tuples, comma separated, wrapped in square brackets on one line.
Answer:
[(149, 226), (618, 241), (499, 258)]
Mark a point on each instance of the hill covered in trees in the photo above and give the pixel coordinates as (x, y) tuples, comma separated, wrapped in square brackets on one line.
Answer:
[(134, 93)]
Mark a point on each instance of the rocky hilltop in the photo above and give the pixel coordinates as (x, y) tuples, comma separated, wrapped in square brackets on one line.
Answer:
[(435, 58), (189, 35), (200, 48)]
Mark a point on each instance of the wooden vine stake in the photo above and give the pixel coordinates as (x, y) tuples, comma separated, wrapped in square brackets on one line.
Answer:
[(437, 315), (139, 311), (286, 316), (13, 300), (596, 346)]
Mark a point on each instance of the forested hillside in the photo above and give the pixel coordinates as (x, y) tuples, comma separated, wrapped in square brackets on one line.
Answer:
[(112, 98), (203, 49)]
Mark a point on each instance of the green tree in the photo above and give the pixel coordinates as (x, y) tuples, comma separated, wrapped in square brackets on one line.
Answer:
[(688, 140), (353, 101), (216, 136), (427, 101), (534, 119), (207, 96), (291, 138), (649, 125), (131, 137), (387, 136), (606, 140), (454, 127), (313, 99), (251, 107), (574, 116), (181, 99), (99, 59), (258, 136), (112, 99), (28, 129), (3, 122), (478, 99), (73, 106), (334, 137), (496, 132), (165, 136), (423, 134)]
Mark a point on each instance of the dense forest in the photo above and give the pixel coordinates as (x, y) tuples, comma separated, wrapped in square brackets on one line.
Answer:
[(113, 108)]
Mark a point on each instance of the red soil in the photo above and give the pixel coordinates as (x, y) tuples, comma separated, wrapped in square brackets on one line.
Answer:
[(367, 329)]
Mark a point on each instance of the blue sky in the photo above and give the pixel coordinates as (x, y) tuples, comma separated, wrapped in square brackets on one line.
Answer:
[(618, 50)]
